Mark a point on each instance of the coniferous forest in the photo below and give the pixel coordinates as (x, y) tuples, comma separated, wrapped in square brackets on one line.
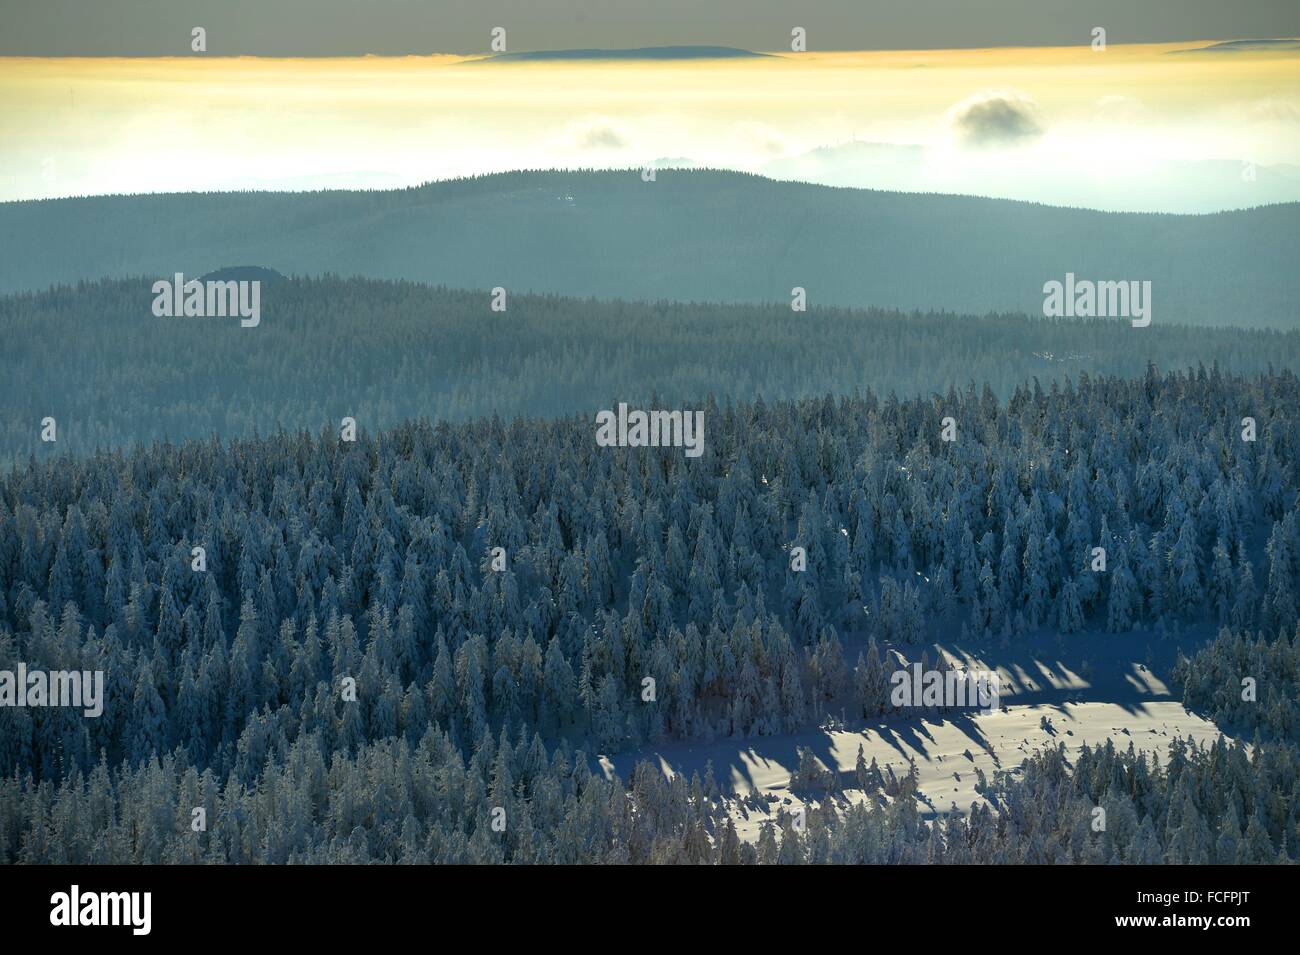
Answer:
[(388, 352), (370, 564)]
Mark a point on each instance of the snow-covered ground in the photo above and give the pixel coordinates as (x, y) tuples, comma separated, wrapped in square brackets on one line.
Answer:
[(947, 753), (1108, 696)]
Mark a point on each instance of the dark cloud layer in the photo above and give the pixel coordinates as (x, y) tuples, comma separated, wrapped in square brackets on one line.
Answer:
[(391, 27)]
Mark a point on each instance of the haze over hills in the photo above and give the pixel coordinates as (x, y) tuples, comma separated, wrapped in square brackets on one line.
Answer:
[(688, 236), (1189, 186)]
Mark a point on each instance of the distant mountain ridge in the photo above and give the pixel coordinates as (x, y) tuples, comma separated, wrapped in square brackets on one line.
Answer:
[(687, 236), (639, 53), (1282, 44)]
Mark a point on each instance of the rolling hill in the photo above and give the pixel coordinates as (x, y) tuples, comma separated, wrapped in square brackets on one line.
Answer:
[(689, 235)]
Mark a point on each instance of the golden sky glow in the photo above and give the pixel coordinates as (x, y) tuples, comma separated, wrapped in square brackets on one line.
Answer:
[(91, 126)]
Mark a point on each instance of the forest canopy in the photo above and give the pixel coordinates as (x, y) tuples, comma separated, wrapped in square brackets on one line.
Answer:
[(479, 686), (387, 352)]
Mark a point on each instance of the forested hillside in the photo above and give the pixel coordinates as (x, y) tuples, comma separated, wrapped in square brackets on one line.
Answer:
[(688, 236), (476, 687), (385, 352), (1216, 681)]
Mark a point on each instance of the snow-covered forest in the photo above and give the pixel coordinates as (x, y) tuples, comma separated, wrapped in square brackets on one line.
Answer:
[(388, 352), (495, 595)]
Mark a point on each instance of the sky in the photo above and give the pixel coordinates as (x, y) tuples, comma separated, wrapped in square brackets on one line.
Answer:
[(1020, 123), (1136, 126), (399, 27)]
